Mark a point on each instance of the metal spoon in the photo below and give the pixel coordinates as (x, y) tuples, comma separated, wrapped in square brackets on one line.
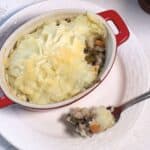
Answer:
[(116, 111)]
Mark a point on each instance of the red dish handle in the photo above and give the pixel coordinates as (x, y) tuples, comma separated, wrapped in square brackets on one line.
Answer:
[(4, 102), (123, 33)]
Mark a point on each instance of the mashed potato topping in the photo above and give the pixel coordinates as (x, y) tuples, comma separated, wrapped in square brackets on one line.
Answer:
[(48, 65)]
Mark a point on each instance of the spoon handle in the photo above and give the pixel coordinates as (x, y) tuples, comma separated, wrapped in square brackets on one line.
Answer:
[(135, 100)]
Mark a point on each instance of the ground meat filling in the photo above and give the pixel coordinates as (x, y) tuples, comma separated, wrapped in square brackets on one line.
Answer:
[(82, 120), (95, 54)]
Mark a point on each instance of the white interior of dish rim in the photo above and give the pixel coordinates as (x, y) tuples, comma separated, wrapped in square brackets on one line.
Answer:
[(33, 24)]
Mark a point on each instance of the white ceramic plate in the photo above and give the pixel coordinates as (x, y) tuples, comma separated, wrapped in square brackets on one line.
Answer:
[(43, 130)]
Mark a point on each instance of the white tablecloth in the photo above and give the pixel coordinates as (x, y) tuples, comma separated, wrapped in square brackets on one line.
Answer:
[(139, 22)]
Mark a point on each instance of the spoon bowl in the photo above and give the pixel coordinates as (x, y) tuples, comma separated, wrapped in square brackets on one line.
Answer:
[(116, 111)]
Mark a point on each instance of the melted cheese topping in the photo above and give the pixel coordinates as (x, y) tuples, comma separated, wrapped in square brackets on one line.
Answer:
[(49, 64)]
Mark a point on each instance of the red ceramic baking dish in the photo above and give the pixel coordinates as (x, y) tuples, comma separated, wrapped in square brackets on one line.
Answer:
[(113, 41)]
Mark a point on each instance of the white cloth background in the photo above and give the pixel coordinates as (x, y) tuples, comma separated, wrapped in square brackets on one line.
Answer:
[(139, 22)]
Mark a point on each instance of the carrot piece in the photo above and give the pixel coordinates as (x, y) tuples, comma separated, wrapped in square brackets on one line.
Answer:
[(99, 43), (95, 128)]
